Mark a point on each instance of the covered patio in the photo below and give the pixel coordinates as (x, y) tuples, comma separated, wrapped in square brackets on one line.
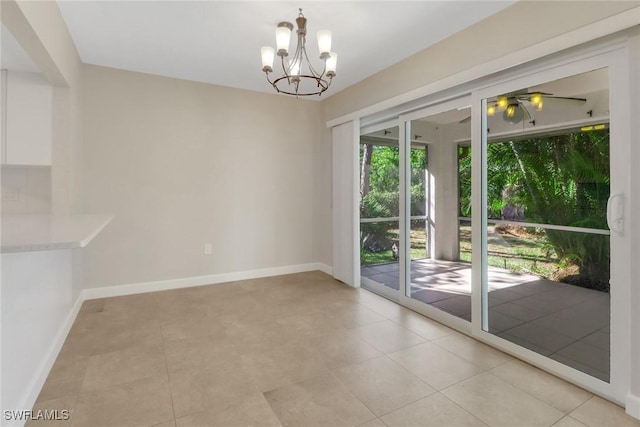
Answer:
[(567, 323)]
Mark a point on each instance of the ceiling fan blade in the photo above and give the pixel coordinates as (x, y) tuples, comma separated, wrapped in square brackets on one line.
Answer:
[(565, 98), (524, 96)]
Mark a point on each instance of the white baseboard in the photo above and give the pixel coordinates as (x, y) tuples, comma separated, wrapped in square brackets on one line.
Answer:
[(327, 269), (43, 372), (632, 405), (187, 282)]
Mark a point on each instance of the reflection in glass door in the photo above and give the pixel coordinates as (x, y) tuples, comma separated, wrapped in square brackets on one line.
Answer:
[(547, 239), (380, 237), (438, 277)]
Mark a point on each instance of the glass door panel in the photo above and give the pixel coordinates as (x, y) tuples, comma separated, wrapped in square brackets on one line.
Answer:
[(547, 240), (419, 232), (438, 277), (380, 237)]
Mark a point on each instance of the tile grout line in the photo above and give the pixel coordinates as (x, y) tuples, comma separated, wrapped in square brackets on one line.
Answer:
[(464, 409), (399, 366), (455, 383), (375, 416), (471, 362), (580, 406), (444, 396), (518, 388), (166, 364), (77, 397), (84, 374), (525, 391)]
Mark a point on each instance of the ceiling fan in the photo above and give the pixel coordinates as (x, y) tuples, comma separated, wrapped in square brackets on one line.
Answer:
[(515, 106)]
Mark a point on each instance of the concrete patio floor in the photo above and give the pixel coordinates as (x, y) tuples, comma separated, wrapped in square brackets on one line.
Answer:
[(564, 322)]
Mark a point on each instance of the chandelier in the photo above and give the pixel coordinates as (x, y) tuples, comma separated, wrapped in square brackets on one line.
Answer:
[(298, 76)]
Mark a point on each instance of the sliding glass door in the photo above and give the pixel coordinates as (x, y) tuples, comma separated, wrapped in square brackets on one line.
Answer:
[(380, 237), (438, 279), (548, 182), (502, 214), (410, 233)]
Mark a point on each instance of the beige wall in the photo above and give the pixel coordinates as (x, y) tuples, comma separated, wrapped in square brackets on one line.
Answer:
[(181, 163), (516, 27)]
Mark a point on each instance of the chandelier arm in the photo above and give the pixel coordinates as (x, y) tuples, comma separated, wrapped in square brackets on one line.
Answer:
[(272, 83), (297, 56), (284, 70), (313, 71), (302, 45)]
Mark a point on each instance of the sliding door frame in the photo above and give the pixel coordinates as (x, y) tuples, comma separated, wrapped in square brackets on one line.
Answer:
[(619, 95)]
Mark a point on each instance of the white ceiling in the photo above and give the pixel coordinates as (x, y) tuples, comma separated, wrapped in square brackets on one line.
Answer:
[(219, 42)]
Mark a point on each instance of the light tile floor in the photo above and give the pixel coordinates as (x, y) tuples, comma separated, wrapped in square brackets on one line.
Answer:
[(295, 350), (566, 323)]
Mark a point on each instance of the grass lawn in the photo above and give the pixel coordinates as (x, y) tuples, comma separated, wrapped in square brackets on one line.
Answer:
[(418, 248), (518, 249)]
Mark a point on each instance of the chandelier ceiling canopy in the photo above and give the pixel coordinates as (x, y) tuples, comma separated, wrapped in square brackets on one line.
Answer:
[(298, 76)]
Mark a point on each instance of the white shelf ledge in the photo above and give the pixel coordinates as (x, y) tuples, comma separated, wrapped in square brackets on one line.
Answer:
[(27, 233)]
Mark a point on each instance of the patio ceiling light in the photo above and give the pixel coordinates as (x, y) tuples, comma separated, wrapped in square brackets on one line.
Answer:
[(513, 113), (298, 76)]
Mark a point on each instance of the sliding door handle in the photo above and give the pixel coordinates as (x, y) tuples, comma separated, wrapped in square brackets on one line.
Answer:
[(615, 212)]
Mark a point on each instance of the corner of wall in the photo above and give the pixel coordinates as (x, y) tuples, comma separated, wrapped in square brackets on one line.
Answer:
[(632, 406), (322, 212)]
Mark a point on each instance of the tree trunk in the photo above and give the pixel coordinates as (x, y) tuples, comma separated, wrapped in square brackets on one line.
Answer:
[(365, 182)]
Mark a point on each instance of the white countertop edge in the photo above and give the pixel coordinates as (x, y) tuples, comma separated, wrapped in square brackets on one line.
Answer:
[(40, 247), (97, 231), (60, 245)]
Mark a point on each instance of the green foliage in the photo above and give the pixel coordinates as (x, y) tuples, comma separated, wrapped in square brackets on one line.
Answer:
[(560, 179), (418, 189), (384, 176), (464, 181), (383, 198)]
